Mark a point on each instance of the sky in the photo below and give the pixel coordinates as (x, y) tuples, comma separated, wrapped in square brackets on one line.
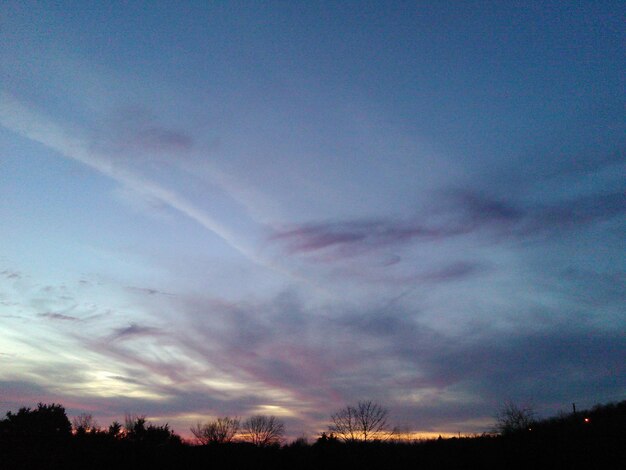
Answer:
[(238, 208)]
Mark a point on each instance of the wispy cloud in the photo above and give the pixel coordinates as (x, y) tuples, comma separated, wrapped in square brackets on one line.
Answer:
[(8, 274), (451, 272), (132, 132), (57, 316), (134, 330), (353, 237), (20, 119), (467, 212), (516, 220), (149, 291), (162, 140), (236, 357)]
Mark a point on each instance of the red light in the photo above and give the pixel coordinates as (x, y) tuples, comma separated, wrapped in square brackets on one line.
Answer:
[(587, 420)]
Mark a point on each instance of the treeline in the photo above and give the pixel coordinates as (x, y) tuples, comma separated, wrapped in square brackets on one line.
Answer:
[(44, 438)]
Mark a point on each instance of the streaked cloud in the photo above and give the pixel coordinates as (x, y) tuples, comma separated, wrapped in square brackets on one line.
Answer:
[(466, 213), (18, 118), (134, 330), (57, 316)]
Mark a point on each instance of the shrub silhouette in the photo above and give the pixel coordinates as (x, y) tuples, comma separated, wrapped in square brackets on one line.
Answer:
[(45, 421), (139, 430)]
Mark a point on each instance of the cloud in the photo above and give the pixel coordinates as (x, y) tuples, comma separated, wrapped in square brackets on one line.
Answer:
[(8, 274), (478, 209), (581, 211), (133, 132), (463, 213), (574, 362), (451, 272), (232, 358), (57, 316), (594, 288), (149, 291), (326, 360), (17, 393), (32, 125), (507, 219), (354, 237), (447, 272), (134, 330), (160, 139)]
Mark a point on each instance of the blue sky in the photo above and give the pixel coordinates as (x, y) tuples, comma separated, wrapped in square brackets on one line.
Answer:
[(284, 207)]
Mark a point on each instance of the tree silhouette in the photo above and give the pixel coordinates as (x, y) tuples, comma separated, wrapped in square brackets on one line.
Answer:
[(44, 421), (220, 431), (115, 429), (512, 418), (365, 421), (135, 426), (263, 430), (84, 423), (161, 435), (137, 429)]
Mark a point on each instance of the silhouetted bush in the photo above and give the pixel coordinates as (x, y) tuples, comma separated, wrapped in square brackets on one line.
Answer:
[(44, 422)]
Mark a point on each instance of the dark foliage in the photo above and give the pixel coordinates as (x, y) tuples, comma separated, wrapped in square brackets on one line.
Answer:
[(592, 439), (44, 422)]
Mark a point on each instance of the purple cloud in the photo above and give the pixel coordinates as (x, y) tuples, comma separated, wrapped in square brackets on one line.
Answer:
[(466, 212), (359, 235), (507, 219)]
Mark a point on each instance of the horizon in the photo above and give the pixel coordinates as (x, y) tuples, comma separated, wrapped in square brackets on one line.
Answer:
[(387, 429), (246, 208)]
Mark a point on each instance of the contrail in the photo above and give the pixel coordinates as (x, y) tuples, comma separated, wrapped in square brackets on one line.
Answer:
[(33, 125), (21, 120)]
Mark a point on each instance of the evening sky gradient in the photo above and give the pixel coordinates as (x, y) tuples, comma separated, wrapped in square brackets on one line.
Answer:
[(231, 208)]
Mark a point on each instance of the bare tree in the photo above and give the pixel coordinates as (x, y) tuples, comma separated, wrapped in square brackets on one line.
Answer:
[(220, 431), (512, 418), (263, 430), (365, 421), (84, 423)]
